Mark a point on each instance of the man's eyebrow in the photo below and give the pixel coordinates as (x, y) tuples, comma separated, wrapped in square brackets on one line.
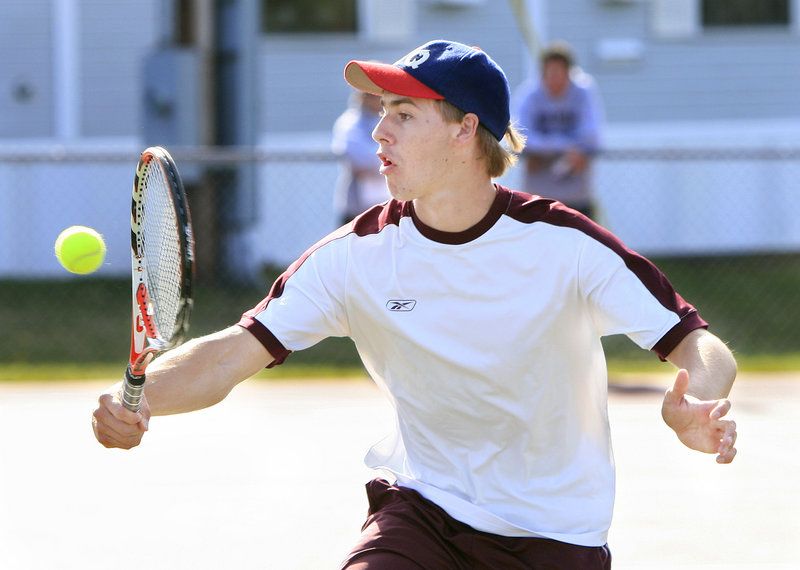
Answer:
[(396, 102)]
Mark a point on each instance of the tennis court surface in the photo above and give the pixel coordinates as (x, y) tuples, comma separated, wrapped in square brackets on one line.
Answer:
[(273, 479)]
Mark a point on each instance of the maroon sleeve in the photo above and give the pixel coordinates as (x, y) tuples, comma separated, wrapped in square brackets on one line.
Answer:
[(265, 337), (370, 222), (526, 208), (677, 333)]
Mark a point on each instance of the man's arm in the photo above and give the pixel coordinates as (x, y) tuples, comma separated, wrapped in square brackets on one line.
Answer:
[(697, 402), (202, 372), (711, 366), (196, 375)]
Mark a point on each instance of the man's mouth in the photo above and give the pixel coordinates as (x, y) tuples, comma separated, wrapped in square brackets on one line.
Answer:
[(386, 163)]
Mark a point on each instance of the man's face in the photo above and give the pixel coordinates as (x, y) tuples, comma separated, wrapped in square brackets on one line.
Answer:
[(414, 146), (555, 75)]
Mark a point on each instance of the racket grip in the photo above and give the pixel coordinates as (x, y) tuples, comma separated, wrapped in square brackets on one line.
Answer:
[(132, 390)]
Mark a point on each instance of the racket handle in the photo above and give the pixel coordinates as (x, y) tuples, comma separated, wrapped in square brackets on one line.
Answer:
[(132, 390)]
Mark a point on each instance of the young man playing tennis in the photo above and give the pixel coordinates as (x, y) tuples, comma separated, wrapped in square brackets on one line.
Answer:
[(480, 311)]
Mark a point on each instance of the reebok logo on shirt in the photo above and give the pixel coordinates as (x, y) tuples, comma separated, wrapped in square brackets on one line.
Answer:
[(401, 305)]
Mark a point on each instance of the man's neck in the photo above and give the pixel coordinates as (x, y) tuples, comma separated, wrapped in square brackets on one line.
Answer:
[(456, 209)]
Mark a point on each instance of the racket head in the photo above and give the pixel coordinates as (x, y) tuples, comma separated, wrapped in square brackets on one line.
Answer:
[(162, 257)]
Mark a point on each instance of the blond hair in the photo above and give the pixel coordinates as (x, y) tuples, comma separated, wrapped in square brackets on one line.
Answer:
[(499, 158)]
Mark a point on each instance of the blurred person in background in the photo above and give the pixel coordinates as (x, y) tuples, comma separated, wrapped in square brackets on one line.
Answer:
[(561, 115), (360, 184)]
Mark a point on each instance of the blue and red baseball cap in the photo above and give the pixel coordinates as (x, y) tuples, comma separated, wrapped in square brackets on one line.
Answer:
[(465, 76)]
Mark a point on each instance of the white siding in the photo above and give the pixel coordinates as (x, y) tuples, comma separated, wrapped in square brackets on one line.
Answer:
[(115, 36), (303, 87), (25, 48), (710, 75)]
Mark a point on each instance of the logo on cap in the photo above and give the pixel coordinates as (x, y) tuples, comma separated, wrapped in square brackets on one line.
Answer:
[(416, 58)]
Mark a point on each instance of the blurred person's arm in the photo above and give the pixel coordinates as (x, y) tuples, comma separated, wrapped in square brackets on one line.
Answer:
[(591, 118)]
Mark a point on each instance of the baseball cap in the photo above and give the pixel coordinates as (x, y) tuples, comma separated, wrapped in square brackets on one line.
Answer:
[(465, 76)]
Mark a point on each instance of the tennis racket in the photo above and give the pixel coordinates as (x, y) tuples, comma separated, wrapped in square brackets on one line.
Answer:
[(162, 263), (527, 28)]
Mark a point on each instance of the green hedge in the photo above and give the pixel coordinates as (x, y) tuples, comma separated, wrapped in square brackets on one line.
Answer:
[(752, 302)]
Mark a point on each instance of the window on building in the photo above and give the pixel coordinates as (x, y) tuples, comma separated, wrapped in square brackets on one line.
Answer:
[(745, 12), (303, 16)]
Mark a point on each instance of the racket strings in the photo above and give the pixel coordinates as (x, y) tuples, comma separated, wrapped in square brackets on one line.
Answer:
[(162, 251)]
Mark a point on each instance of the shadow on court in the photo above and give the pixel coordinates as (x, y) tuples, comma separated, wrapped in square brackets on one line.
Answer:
[(273, 479)]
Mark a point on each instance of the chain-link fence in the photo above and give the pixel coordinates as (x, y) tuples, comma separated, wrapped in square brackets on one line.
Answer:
[(721, 224)]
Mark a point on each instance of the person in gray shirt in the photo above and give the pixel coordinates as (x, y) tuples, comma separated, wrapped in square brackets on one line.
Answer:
[(561, 115)]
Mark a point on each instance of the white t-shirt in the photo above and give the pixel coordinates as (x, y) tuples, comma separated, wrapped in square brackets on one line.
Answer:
[(487, 343)]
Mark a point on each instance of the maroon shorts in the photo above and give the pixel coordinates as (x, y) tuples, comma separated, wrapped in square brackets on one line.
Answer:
[(405, 531)]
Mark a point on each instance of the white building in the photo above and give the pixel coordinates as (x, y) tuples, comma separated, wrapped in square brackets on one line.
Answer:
[(679, 74)]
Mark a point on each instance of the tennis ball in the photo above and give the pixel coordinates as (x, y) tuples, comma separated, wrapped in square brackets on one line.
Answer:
[(80, 249)]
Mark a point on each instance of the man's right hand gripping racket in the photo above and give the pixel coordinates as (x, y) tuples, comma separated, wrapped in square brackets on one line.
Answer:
[(162, 261)]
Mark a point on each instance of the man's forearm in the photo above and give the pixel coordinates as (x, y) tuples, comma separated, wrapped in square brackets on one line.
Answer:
[(203, 371), (711, 366)]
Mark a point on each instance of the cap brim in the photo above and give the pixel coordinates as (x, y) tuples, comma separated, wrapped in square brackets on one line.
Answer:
[(376, 78)]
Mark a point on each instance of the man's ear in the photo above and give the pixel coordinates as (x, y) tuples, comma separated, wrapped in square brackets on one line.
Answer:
[(468, 127)]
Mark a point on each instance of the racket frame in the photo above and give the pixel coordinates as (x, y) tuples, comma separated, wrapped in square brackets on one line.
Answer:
[(146, 342)]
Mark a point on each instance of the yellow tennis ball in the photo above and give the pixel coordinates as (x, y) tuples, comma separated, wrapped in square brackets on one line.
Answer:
[(80, 249)]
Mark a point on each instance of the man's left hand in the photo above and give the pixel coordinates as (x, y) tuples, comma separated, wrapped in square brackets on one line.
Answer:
[(698, 423)]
